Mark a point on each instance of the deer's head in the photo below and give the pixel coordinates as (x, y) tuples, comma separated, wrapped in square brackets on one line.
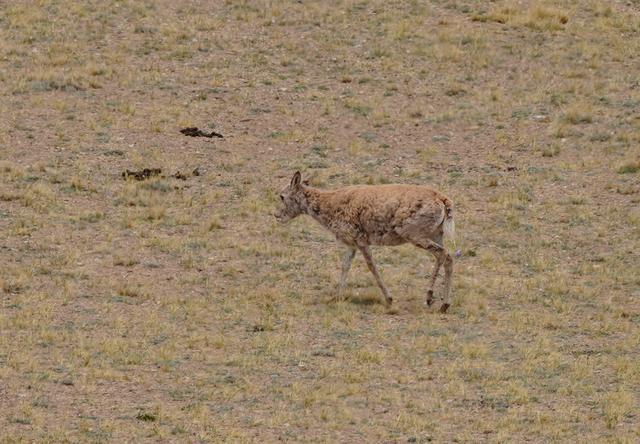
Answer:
[(293, 200)]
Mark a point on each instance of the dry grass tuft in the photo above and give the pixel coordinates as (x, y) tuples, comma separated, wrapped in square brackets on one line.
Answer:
[(536, 16)]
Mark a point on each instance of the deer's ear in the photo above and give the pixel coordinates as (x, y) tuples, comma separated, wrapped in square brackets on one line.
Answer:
[(295, 181)]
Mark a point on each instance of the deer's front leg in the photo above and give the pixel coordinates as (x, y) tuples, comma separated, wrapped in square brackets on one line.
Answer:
[(372, 267), (346, 266)]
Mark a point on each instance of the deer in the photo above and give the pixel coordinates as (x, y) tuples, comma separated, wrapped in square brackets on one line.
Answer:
[(362, 216)]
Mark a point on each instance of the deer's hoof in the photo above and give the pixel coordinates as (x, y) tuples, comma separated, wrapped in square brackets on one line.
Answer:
[(389, 301), (430, 298), (444, 308)]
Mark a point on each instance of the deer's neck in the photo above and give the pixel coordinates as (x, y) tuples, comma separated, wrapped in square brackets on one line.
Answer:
[(315, 204)]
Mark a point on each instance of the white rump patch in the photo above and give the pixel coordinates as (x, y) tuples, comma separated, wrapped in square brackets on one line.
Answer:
[(449, 227)]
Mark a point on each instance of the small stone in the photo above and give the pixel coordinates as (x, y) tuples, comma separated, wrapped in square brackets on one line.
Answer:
[(540, 118)]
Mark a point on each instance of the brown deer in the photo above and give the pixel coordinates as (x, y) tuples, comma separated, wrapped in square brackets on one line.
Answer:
[(361, 216)]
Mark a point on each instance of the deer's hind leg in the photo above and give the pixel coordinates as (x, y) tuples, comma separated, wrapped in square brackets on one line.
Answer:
[(448, 273), (436, 268), (434, 276), (442, 257)]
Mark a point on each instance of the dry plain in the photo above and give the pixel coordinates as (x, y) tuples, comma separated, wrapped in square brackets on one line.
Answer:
[(169, 310)]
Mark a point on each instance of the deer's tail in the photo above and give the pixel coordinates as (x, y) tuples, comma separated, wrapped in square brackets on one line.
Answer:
[(448, 225)]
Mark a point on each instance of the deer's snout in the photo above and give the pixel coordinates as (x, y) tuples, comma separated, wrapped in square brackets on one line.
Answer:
[(282, 216)]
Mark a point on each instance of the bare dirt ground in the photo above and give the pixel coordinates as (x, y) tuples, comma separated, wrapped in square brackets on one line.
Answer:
[(180, 311)]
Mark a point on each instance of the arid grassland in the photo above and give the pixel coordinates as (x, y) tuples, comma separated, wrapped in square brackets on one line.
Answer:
[(180, 311)]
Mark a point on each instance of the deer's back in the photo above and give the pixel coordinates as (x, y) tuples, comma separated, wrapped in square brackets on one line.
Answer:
[(385, 214)]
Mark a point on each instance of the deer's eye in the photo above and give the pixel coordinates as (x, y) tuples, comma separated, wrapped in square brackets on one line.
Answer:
[(282, 197)]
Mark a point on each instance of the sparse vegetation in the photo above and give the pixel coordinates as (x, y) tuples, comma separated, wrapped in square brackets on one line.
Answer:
[(179, 310), (629, 167)]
